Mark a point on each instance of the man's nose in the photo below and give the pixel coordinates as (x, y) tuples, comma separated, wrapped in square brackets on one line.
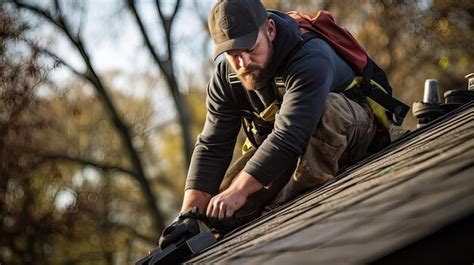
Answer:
[(244, 59)]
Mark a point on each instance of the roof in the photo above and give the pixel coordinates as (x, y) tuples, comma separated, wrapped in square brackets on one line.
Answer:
[(414, 201)]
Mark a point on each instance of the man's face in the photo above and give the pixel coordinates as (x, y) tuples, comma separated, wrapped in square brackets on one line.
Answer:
[(251, 65)]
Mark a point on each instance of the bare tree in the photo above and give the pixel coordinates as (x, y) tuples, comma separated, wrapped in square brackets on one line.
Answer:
[(58, 19), (165, 61)]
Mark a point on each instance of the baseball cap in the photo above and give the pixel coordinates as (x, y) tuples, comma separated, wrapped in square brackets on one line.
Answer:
[(234, 24)]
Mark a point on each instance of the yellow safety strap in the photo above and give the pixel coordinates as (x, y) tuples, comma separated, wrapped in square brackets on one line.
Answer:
[(246, 146), (268, 114), (376, 108)]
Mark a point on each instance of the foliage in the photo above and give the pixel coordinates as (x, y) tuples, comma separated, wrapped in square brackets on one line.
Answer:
[(66, 192)]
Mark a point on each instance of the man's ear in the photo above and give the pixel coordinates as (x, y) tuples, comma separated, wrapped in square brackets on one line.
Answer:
[(271, 29)]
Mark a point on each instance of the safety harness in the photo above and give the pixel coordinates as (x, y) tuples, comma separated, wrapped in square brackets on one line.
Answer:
[(370, 86)]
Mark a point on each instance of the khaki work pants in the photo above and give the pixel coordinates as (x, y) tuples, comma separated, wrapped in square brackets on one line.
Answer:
[(342, 138)]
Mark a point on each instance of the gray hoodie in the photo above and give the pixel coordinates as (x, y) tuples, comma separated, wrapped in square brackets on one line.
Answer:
[(309, 74)]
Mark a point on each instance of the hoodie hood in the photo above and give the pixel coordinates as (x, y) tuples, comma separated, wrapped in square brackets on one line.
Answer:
[(286, 39)]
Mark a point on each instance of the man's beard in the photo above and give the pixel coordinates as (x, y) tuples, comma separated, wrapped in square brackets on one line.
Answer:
[(253, 77), (256, 77)]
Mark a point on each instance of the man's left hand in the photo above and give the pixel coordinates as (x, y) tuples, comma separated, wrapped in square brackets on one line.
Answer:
[(224, 204)]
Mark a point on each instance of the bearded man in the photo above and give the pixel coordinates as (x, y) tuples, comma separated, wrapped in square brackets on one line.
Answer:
[(313, 130)]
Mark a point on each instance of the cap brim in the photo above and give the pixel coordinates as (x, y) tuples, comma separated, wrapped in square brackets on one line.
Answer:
[(246, 41)]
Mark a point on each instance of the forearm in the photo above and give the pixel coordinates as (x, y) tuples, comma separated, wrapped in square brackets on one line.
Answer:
[(195, 198), (233, 198), (246, 184)]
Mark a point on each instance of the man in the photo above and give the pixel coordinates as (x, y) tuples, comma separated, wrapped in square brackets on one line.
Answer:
[(315, 131)]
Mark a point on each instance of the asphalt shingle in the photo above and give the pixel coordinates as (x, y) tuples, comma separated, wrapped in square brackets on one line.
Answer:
[(411, 190)]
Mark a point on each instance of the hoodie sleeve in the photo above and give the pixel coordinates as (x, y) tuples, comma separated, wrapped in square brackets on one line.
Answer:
[(214, 147), (308, 80)]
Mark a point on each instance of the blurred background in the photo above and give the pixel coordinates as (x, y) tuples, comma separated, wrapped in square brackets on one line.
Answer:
[(101, 102)]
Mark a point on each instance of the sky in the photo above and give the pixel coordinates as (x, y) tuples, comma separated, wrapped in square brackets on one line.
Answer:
[(116, 44)]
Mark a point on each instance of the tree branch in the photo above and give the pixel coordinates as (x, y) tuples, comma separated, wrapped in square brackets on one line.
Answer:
[(57, 156), (156, 57), (134, 232), (83, 161), (42, 13), (167, 23), (175, 11), (114, 225), (106, 167), (63, 26), (160, 12), (166, 66), (120, 125), (55, 57)]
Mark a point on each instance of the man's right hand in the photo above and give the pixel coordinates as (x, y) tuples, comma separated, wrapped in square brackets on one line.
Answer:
[(182, 229), (185, 226)]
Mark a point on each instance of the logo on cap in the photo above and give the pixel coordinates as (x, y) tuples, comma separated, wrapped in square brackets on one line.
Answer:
[(225, 22)]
